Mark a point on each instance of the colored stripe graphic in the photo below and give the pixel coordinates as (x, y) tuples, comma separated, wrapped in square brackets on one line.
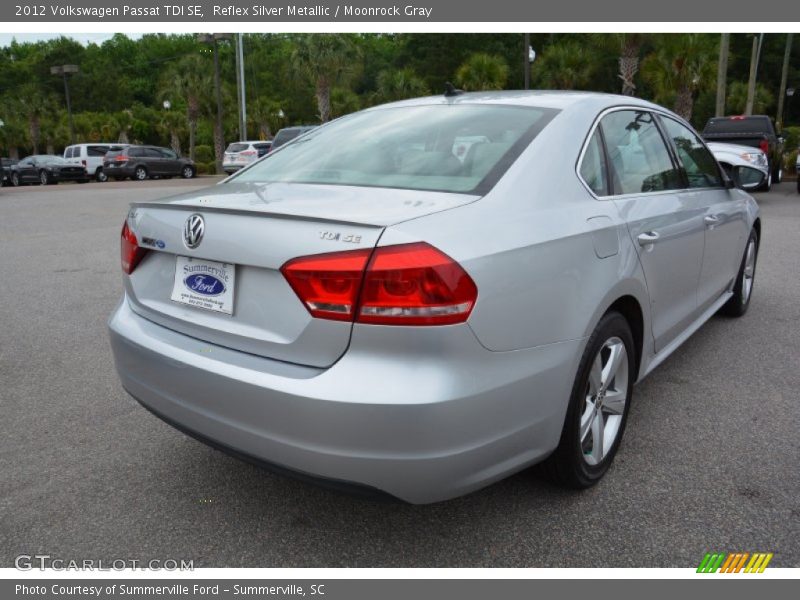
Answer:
[(734, 562)]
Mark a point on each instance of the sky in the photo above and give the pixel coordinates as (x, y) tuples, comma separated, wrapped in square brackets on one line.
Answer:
[(83, 38)]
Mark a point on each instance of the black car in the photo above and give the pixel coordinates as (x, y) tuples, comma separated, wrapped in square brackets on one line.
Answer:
[(287, 134), (750, 130), (143, 162), (5, 170), (46, 169)]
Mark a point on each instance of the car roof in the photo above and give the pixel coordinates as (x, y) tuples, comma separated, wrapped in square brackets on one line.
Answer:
[(560, 100)]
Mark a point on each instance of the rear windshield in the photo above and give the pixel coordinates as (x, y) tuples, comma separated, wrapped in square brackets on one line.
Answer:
[(237, 147), (447, 148), (739, 125)]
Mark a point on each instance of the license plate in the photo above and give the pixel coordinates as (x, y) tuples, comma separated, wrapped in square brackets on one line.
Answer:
[(204, 284)]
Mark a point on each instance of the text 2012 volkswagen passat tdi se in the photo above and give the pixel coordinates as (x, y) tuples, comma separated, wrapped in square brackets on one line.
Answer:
[(424, 297)]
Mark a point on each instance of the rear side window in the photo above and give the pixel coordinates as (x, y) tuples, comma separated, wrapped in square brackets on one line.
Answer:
[(136, 152), (593, 166), (639, 158), (699, 164), (96, 151)]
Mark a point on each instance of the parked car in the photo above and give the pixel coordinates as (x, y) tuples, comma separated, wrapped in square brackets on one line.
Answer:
[(46, 169), (287, 134), (754, 130), (241, 154), (5, 170), (733, 155), (367, 309), (91, 156), (144, 162)]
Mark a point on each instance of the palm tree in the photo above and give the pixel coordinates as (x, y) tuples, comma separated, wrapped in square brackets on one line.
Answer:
[(482, 71), (189, 80), (12, 132), (344, 101), (565, 66), (329, 59), (33, 104), (737, 98), (628, 46), (682, 65), (266, 115), (170, 123), (399, 84)]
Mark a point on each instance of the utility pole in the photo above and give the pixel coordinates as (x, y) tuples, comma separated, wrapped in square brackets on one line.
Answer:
[(722, 73), (751, 85), (219, 141), (63, 71), (527, 61), (240, 88), (784, 77)]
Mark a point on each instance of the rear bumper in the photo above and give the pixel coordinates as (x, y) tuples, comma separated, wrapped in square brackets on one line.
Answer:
[(114, 171), (423, 419), (232, 167)]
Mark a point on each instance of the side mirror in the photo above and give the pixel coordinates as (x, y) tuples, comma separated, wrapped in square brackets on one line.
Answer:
[(748, 178)]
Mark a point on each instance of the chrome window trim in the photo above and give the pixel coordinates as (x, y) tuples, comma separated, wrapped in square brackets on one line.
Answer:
[(660, 112)]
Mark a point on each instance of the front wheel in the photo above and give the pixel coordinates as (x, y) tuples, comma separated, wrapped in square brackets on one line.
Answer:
[(44, 177), (743, 288), (598, 407), (140, 174), (187, 172)]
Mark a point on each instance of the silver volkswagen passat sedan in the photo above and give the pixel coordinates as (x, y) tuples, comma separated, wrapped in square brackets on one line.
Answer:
[(424, 297)]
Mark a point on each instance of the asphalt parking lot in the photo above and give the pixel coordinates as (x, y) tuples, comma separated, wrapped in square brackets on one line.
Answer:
[(709, 461)]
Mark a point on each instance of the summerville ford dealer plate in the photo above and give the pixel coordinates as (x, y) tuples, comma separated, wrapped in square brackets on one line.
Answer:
[(204, 284)]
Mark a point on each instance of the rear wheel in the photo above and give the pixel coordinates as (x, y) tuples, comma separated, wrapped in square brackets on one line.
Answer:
[(187, 172), (140, 174), (743, 289), (598, 408), (100, 175), (15, 179)]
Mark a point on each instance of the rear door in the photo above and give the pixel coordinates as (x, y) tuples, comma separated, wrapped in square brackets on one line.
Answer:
[(666, 227), (171, 164), (154, 160), (724, 217)]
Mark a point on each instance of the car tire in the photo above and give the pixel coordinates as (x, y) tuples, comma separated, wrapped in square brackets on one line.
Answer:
[(100, 175), (778, 175), (767, 185), (15, 179), (598, 406), (745, 279), (140, 174), (187, 172), (44, 177)]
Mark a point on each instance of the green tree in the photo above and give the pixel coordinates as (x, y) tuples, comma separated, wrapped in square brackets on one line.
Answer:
[(329, 59), (564, 66), (189, 80), (399, 84), (681, 66), (483, 71), (33, 104), (737, 98)]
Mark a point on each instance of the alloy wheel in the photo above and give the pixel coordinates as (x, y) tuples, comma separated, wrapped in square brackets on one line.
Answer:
[(749, 271), (606, 395), (141, 174)]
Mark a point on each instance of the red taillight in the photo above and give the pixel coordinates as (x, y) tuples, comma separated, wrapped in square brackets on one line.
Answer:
[(764, 146), (408, 284), (121, 158), (130, 252)]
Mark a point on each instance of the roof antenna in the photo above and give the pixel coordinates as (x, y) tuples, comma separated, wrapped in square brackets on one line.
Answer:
[(450, 90)]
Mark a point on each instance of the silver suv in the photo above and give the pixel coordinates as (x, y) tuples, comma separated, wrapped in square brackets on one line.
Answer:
[(240, 154)]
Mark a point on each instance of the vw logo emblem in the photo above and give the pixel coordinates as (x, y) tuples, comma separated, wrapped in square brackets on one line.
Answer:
[(193, 231)]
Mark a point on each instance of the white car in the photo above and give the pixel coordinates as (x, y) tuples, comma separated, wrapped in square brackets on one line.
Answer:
[(91, 157), (732, 155), (240, 154)]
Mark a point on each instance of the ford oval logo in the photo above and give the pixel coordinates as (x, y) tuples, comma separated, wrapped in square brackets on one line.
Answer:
[(204, 284)]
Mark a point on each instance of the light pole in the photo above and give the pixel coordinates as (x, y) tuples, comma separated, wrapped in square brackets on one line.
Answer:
[(63, 71), (240, 87), (212, 39)]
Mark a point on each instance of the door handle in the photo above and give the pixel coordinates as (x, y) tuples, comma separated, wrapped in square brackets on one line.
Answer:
[(648, 237), (711, 219)]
